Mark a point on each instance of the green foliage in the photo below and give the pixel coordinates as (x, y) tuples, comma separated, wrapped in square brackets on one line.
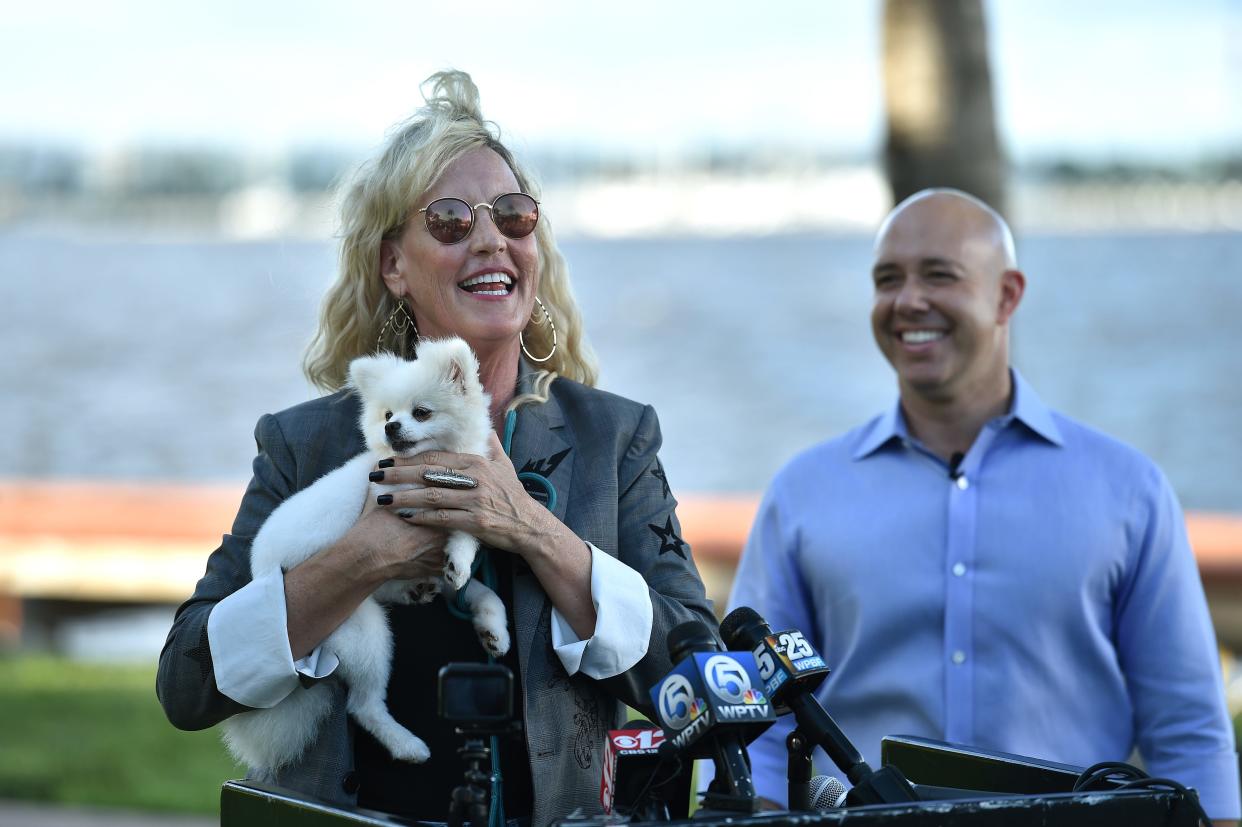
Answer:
[(84, 733)]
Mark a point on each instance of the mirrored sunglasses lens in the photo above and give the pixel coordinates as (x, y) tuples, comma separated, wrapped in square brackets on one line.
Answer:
[(515, 214), (449, 220)]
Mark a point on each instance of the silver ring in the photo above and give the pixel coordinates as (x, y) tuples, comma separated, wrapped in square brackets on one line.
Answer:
[(450, 479)]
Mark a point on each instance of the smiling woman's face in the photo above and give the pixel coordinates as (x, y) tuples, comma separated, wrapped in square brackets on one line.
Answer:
[(442, 281)]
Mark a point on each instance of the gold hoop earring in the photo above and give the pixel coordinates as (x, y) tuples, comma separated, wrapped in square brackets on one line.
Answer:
[(548, 318), (401, 323)]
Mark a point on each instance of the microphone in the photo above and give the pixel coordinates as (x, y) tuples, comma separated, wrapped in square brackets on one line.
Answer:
[(955, 464), (827, 792), (711, 705), (792, 671), (638, 778)]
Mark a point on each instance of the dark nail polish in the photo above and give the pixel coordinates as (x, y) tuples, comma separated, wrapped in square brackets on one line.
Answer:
[(376, 476), (387, 463), (384, 499)]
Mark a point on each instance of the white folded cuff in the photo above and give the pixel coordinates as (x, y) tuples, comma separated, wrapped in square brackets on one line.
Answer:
[(623, 618), (248, 635)]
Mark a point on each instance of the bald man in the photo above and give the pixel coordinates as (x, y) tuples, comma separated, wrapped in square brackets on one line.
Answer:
[(977, 567)]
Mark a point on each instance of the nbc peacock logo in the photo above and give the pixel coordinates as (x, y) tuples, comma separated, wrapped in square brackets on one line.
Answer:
[(753, 696)]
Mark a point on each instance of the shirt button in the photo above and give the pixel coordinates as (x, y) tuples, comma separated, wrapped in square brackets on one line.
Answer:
[(963, 483), (959, 657), (959, 569)]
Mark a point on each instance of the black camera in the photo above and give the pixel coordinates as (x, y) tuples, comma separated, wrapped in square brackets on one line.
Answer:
[(477, 697)]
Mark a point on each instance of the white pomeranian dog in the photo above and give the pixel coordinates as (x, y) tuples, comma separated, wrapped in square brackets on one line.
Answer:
[(435, 403)]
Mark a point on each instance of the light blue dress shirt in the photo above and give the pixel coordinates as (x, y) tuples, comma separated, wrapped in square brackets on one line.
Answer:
[(1044, 602)]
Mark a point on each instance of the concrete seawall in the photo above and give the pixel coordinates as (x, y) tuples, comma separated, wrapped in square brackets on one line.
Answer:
[(148, 542)]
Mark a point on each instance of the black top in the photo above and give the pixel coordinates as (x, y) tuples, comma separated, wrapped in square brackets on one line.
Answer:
[(425, 638)]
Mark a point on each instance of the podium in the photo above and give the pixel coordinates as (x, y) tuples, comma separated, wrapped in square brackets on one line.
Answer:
[(246, 803), (962, 787), (250, 804)]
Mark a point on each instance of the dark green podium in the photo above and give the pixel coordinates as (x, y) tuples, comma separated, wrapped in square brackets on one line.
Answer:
[(965, 787), (247, 804)]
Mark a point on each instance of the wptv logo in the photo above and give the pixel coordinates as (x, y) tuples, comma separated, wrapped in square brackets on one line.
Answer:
[(710, 688)]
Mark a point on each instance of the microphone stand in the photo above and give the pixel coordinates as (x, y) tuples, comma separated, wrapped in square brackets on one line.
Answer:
[(733, 775), (800, 769)]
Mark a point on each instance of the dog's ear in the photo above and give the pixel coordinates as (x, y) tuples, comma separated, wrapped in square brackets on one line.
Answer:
[(456, 376), (364, 372), (462, 363)]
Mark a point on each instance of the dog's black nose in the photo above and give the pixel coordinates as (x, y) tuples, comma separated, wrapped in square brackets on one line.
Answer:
[(392, 428)]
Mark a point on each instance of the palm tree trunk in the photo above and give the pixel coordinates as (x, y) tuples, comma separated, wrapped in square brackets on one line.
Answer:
[(938, 96)]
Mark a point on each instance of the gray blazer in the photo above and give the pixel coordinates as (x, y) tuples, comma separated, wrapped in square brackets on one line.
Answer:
[(611, 490)]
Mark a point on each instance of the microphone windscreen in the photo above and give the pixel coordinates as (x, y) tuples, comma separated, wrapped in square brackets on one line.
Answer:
[(827, 792), (688, 637), (743, 628)]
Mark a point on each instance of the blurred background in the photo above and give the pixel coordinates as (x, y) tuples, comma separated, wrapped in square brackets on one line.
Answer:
[(714, 172)]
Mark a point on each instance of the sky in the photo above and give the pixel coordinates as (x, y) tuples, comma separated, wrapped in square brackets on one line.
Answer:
[(1114, 78)]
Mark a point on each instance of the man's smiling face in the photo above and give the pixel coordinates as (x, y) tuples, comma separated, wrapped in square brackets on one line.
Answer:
[(939, 314)]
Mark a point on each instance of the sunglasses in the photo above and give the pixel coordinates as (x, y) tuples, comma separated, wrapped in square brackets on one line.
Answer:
[(450, 220)]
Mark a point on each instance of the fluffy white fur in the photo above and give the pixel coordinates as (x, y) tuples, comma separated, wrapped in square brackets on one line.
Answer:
[(442, 387)]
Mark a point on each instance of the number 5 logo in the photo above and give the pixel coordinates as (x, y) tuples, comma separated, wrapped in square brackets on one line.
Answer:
[(767, 666), (676, 697), (726, 678)]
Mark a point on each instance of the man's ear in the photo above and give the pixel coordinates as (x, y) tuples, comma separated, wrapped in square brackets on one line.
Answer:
[(1012, 288)]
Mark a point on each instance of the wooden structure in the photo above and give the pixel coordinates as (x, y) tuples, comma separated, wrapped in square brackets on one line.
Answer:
[(148, 543)]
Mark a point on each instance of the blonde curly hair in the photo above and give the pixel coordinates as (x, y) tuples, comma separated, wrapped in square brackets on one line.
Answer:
[(375, 205)]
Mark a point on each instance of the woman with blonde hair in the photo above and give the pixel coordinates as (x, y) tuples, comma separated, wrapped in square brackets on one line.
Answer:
[(443, 235)]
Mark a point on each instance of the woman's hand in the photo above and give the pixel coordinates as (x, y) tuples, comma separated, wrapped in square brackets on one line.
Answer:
[(323, 590), (393, 548), (498, 511)]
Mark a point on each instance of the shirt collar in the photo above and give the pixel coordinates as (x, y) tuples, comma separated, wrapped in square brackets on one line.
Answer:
[(1026, 407), (886, 427), (1031, 411)]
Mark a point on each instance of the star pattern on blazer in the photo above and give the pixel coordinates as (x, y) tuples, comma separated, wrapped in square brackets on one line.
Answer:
[(658, 473), (201, 654), (669, 541)]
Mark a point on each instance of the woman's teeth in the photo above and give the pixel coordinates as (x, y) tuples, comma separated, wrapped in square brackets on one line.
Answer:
[(918, 337), (481, 285)]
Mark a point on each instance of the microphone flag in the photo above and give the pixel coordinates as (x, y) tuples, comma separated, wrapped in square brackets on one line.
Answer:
[(707, 690), (784, 659)]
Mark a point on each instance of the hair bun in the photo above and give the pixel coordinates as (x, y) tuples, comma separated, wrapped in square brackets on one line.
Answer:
[(453, 92)]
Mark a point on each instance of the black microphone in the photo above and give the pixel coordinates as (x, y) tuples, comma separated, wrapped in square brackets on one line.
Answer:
[(792, 671), (710, 705), (791, 688), (955, 464), (640, 778)]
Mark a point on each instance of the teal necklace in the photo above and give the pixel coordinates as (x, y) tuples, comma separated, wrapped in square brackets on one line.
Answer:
[(486, 573)]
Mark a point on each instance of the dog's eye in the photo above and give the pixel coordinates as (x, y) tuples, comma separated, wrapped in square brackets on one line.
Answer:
[(387, 415), (421, 414)]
